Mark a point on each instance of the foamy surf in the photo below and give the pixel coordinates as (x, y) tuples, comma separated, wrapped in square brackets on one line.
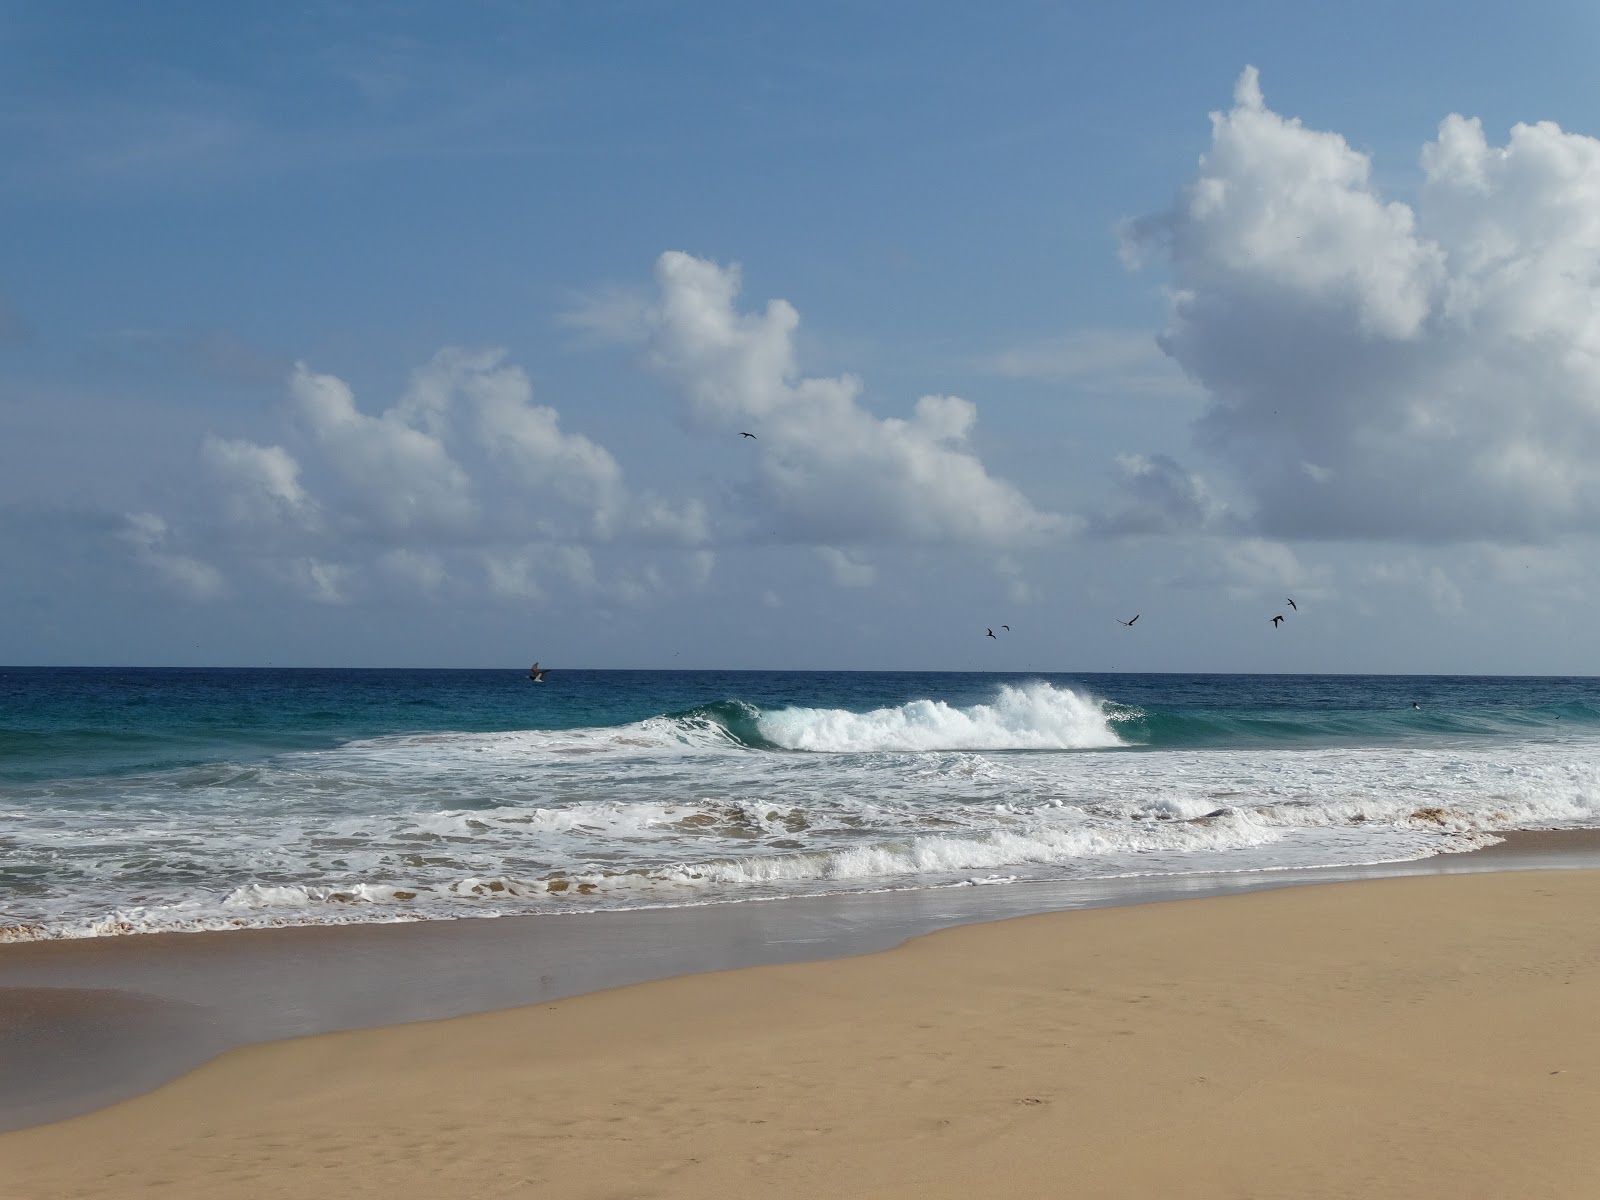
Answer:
[(1033, 716), (799, 786)]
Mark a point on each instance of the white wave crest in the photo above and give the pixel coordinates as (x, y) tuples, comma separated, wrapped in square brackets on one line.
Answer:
[(1034, 716)]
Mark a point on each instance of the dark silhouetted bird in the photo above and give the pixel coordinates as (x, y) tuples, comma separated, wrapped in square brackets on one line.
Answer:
[(1276, 619), (990, 632), (742, 433), (1007, 628), (1293, 605), (1120, 621)]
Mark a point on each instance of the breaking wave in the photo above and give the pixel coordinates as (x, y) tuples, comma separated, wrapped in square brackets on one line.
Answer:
[(1033, 716)]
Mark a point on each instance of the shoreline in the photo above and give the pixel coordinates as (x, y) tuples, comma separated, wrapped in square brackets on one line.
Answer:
[(97, 1021), (1424, 1035)]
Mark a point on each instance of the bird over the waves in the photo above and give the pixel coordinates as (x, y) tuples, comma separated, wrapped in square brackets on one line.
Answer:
[(1276, 619), (535, 674), (1120, 621)]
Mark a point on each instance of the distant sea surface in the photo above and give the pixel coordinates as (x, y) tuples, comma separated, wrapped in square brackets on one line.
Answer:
[(141, 800)]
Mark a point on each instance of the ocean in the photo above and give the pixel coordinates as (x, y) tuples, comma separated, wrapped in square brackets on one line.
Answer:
[(136, 800)]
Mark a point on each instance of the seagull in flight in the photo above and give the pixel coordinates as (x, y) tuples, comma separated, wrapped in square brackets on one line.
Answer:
[(1293, 605), (535, 674), (751, 436), (1129, 624), (1276, 619), (990, 632)]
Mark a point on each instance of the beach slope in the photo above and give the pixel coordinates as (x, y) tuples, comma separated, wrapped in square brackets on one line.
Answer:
[(1418, 1037)]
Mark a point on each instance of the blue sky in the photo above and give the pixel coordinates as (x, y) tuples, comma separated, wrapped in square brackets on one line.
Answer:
[(422, 334)]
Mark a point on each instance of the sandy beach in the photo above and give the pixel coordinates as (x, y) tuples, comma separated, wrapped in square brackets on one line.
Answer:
[(1408, 1037)]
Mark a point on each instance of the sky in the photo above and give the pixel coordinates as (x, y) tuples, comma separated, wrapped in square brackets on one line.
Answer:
[(425, 334)]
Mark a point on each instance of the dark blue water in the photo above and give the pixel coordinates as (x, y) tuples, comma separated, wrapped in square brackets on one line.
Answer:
[(105, 720)]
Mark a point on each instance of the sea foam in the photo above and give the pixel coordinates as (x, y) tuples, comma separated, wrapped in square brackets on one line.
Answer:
[(1033, 716)]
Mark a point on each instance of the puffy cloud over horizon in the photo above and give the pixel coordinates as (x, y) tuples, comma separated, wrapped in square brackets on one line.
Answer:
[(466, 486), (830, 471), (463, 482), (1378, 370)]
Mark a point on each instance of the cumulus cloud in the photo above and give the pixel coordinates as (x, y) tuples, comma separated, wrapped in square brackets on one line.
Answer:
[(465, 481), (191, 578), (540, 459), (830, 470), (848, 570), (261, 483), (399, 477), (1159, 496), (1382, 370), (462, 482), (463, 456)]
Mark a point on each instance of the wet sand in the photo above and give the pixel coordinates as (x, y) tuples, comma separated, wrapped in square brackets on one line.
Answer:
[(1422, 1037)]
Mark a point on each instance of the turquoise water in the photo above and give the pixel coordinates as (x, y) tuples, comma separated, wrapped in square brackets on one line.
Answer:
[(157, 799)]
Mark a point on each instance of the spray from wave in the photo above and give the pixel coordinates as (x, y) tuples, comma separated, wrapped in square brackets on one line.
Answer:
[(1034, 716)]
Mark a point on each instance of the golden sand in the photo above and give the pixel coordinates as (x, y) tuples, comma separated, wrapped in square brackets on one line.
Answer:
[(1427, 1037)]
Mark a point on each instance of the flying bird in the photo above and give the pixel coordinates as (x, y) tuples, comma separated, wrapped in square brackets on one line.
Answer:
[(1293, 605), (990, 632), (752, 436), (1007, 628), (1276, 619), (1120, 621), (535, 674)]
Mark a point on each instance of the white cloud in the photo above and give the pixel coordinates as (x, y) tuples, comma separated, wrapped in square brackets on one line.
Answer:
[(848, 570), (148, 534), (1159, 496), (828, 469), (538, 458), (401, 478), (324, 582), (1254, 563), (1382, 371), (262, 483), (528, 436)]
